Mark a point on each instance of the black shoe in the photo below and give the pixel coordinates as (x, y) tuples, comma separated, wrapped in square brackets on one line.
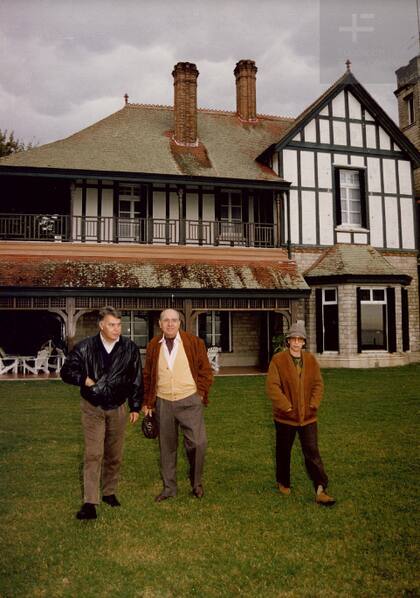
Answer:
[(198, 492), (88, 511), (111, 500), (162, 497)]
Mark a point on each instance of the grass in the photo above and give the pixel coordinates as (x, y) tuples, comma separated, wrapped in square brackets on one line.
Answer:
[(243, 538)]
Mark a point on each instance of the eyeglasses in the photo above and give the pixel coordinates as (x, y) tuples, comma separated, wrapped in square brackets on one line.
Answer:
[(168, 321)]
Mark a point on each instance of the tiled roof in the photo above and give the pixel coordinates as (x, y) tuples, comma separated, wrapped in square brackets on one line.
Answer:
[(138, 139), (97, 273), (344, 259)]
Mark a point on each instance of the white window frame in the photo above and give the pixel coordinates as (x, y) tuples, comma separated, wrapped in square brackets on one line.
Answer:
[(345, 189), (129, 330), (328, 302), (128, 224), (212, 334)]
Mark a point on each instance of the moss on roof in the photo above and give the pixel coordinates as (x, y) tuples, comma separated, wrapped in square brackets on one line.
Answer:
[(120, 274), (138, 138), (356, 260)]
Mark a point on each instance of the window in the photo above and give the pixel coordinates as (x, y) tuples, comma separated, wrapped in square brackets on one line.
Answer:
[(326, 319), (350, 197), (214, 327), (231, 206), (129, 212), (135, 325), (376, 319), (409, 103), (231, 212)]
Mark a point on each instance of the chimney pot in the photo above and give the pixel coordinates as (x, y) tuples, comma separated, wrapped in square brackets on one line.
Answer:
[(246, 96), (185, 103)]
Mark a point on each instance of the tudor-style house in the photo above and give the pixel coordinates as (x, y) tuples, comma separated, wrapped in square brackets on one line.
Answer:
[(241, 221)]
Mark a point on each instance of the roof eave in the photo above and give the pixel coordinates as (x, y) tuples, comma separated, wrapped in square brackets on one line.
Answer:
[(69, 173), (403, 279), (161, 292)]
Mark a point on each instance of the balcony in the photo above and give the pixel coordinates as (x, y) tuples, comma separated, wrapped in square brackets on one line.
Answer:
[(101, 229)]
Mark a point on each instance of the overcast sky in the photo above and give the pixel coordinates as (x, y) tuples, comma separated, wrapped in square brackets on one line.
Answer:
[(64, 64)]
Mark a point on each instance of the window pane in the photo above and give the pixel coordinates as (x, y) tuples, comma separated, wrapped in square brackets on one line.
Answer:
[(236, 214), (224, 212), (365, 294), (354, 193), (330, 295), (355, 219), (373, 326), (378, 294)]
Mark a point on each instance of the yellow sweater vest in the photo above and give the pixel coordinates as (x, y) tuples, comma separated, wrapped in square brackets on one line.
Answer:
[(177, 383)]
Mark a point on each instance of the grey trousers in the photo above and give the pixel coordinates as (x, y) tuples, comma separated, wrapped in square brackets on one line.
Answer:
[(188, 415), (104, 441)]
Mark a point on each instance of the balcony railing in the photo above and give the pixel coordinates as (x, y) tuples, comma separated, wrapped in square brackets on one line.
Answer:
[(103, 229)]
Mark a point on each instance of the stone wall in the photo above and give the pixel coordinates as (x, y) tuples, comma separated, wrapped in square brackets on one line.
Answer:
[(406, 263)]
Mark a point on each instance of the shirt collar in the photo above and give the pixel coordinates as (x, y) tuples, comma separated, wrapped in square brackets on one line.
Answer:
[(177, 339), (109, 346)]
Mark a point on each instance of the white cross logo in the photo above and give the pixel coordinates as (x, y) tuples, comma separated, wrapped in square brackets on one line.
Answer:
[(355, 28)]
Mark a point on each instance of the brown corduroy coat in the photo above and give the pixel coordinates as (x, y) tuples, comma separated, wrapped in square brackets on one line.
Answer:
[(196, 353), (287, 390)]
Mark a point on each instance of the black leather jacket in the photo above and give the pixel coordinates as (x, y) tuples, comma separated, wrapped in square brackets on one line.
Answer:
[(123, 380)]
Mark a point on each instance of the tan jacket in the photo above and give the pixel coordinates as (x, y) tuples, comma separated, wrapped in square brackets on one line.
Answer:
[(196, 353), (289, 391)]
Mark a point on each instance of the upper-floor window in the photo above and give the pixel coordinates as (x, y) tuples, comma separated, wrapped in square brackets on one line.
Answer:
[(231, 206), (350, 197), (131, 208), (409, 102)]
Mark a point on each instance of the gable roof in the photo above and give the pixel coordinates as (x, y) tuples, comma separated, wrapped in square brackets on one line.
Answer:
[(138, 139), (347, 261), (347, 81)]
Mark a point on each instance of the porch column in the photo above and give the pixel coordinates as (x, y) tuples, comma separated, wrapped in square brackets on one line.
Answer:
[(289, 249), (180, 192), (278, 220), (70, 316), (189, 316)]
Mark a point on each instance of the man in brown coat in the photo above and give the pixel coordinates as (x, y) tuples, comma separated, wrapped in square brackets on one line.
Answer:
[(177, 379), (295, 387)]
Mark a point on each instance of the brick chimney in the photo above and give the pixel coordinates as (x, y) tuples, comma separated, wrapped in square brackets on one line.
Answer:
[(246, 97), (185, 103)]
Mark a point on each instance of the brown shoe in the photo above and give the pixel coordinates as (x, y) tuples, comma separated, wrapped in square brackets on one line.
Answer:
[(322, 498), (198, 492), (162, 497), (284, 490)]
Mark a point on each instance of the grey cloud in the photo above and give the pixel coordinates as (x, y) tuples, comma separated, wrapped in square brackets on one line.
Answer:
[(67, 61)]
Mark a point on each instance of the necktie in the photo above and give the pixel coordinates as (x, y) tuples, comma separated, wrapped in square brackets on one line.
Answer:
[(169, 344)]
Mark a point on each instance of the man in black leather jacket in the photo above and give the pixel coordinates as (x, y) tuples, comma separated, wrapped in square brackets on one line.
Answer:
[(107, 368)]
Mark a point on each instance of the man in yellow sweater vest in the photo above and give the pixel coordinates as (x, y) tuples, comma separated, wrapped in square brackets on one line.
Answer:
[(177, 379)]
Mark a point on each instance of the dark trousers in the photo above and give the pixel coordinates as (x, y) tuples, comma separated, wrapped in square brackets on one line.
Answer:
[(104, 439), (308, 436), (188, 415)]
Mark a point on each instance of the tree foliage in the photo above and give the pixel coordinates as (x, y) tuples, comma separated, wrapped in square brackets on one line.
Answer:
[(10, 145)]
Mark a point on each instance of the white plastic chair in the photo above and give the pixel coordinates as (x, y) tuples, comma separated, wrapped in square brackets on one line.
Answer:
[(11, 367), (40, 363), (213, 355)]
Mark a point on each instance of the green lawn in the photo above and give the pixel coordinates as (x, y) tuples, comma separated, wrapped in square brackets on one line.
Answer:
[(243, 538)]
